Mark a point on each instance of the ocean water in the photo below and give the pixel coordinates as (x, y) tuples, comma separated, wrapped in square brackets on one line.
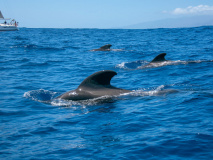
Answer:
[(169, 114)]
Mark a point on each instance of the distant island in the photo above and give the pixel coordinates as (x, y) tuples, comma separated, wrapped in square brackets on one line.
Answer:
[(195, 21)]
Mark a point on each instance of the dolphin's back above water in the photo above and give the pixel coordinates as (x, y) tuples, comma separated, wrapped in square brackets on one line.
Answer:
[(96, 85), (103, 48)]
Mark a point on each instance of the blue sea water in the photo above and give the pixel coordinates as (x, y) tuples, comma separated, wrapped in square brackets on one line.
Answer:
[(169, 114)]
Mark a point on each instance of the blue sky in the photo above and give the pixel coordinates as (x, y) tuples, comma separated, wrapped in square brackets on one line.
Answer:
[(98, 13)]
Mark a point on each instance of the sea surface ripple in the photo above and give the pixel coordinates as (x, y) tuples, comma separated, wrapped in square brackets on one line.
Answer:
[(169, 114)]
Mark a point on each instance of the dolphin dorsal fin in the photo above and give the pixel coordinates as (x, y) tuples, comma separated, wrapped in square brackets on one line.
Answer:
[(99, 78), (159, 58), (107, 46)]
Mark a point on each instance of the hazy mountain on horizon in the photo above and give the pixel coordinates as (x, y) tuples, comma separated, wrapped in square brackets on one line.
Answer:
[(195, 21)]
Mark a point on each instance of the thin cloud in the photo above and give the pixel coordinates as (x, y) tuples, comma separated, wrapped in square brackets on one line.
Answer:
[(200, 9)]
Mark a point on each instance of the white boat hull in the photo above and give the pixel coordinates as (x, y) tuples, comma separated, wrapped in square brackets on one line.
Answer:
[(8, 27)]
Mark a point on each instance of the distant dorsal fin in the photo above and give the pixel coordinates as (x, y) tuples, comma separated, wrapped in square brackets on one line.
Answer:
[(107, 46), (99, 78), (159, 58)]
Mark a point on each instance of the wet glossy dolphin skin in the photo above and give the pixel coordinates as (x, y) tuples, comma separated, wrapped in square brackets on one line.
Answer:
[(103, 48), (94, 86), (159, 58)]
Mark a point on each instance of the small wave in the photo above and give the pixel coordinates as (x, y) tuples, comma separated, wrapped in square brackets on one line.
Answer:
[(25, 60), (122, 65), (43, 130), (35, 64), (40, 95), (20, 38), (28, 46), (131, 65), (117, 50), (159, 91), (37, 47), (12, 113)]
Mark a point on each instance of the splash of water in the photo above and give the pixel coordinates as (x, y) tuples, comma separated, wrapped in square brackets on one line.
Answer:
[(40, 95)]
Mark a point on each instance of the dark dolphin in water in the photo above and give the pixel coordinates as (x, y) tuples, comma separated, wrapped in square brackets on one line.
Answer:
[(157, 61), (94, 86), (160, 60), (103, 48)]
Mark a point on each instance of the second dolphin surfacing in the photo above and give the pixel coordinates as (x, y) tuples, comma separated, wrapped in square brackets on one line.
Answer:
[(94, 86)]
